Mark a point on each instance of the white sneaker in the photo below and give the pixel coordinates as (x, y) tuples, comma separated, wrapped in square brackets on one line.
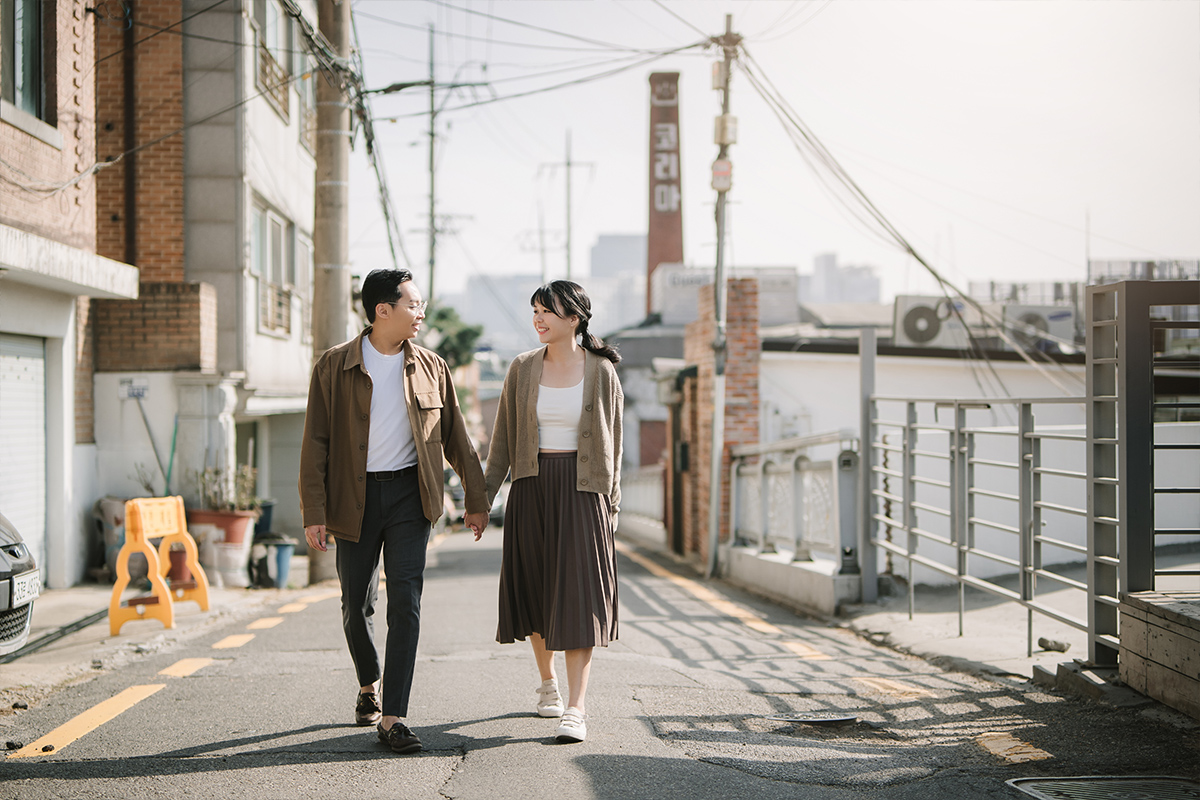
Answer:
[(572, 728), (550, 704)]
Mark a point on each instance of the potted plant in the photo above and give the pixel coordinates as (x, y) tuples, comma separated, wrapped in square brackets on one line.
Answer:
[(227, 501)]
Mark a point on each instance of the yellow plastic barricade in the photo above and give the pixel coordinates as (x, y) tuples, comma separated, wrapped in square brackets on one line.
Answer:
[(162, 518)]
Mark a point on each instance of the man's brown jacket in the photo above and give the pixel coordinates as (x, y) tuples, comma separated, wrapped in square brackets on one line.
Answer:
[(333, 456)]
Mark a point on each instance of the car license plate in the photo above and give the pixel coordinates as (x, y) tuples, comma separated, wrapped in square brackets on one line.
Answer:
[(25, 588)]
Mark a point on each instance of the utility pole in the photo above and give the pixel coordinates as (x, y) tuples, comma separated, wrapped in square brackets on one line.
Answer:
[(331, 281), (432, 189), (568, 164), (542, 241), (433, 112), (725, 135), (568, 204)]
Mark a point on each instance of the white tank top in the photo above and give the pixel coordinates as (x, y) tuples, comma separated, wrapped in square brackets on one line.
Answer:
[(558, 413)]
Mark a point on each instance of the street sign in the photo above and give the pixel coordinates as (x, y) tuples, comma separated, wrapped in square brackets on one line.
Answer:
[(722, 175)]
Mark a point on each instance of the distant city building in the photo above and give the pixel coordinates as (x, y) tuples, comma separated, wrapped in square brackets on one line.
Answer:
[(831, 283), (500, 303), (617, 286), (615, 254), (1122, 270), (674, 288)]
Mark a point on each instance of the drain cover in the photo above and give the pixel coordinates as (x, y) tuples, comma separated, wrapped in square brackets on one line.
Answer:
[(1100, 787), (816, 718)]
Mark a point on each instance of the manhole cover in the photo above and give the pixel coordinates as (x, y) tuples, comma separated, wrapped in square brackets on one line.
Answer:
[(816, 718), (1099, 787)]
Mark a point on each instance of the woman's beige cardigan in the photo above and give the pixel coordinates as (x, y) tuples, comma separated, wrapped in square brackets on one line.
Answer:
[(514, 445)]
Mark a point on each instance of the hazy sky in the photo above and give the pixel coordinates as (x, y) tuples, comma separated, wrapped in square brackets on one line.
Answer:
[(986, 131)]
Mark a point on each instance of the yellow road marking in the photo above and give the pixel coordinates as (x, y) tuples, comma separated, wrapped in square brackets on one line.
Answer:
[(806, 651), (1010, 748), (292, 608), (889, 686), (316, 598), (236, 640), (707, 595), (264, 623), (185, 667), (88, 721)]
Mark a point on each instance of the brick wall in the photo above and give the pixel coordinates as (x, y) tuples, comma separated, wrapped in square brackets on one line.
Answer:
[(156, 247), (43, 192), (69, 215), (85, 432), (171, 326), (741, 403)]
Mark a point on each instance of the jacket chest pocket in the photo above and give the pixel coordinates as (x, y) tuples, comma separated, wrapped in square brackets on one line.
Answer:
[(429, 415)]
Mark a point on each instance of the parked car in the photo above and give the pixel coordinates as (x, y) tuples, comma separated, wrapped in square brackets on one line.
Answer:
[(496, 515), (455, 496), (20, 585)]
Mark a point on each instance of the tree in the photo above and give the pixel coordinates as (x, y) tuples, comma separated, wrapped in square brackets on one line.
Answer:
[(450, 337)]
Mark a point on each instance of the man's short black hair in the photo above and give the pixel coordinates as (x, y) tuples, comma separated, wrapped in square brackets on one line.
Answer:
[(382, 286)]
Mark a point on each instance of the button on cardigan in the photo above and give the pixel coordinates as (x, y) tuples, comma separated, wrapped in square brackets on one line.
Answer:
[(514, 445)]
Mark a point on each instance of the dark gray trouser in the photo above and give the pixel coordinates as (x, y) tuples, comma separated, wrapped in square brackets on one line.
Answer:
[(394, 523)]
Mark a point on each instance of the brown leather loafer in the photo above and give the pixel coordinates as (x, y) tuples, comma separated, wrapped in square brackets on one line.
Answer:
[(367, 710), (399, 738)]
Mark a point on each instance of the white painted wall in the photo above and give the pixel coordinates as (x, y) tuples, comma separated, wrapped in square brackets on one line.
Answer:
[(287, 431), (203, 406), (807, 393), (820, 390), (33, 311)]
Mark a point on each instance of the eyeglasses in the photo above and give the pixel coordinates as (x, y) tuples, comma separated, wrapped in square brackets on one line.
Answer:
[(416, 308)]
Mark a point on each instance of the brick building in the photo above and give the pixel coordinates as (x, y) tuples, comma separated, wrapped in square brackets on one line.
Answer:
[(157, 180), (50, 276), (213, 201)]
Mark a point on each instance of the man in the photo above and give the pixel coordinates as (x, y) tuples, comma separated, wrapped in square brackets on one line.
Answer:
[(382, 415)]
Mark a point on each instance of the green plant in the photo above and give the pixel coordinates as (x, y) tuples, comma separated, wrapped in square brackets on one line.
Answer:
[(456, 341), (222, 492)]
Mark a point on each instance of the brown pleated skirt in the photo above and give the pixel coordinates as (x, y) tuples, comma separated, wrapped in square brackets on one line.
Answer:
[(558, 576)]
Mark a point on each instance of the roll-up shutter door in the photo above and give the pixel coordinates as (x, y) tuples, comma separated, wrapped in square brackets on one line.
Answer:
[(23, 439)]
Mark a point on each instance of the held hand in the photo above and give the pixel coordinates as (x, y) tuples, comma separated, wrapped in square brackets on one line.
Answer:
[(315, 535), (476, 522)]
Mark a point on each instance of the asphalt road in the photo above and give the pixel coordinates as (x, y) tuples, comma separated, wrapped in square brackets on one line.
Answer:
[(261, 706)]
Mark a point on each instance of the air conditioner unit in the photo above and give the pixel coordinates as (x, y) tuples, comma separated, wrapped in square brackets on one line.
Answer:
[(1027, 324), (932, 322)]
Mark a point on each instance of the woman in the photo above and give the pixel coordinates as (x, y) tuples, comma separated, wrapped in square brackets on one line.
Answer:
[(558, 430)]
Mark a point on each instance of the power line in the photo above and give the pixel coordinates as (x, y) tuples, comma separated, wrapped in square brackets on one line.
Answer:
[(664, 7), (395, 239), (800, 25), (999, 203), (129, 11), (544, 89), (468, 37), (807, 140), (527, 25)]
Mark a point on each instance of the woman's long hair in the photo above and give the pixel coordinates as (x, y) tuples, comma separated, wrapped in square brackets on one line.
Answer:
[(567, 298)]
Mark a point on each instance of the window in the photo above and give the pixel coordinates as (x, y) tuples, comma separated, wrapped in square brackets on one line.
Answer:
[(306, 93), (303, 285), (274, 44), (272, 262), (21, 70)]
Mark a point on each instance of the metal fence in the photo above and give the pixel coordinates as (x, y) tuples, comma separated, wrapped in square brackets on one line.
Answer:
[(796, 495), (642, 491), (956, 493)]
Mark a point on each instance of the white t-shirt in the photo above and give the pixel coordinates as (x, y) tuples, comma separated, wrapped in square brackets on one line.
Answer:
[(390, 442), (558, 416)]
